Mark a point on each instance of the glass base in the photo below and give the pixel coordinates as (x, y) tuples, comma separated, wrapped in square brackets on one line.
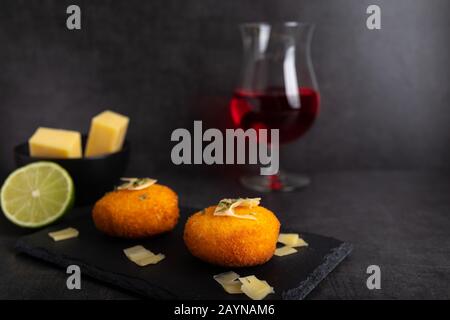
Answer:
[(283, 182)]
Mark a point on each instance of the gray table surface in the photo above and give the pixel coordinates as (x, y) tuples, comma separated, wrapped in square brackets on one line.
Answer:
[(397, 220)]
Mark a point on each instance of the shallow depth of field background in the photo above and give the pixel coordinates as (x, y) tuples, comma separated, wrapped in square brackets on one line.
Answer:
[(385, 94)]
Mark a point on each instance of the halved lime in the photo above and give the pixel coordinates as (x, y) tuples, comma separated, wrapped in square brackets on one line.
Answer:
[(37, 194)]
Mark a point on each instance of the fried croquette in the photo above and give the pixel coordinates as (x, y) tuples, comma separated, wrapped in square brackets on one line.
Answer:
[(230, 241), (137, 213)]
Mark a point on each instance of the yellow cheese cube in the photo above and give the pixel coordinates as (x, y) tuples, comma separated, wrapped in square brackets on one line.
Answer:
[(107, 133), (55, 143)]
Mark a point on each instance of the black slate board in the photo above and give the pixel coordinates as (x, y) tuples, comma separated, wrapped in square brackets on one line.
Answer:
[(180, 275)]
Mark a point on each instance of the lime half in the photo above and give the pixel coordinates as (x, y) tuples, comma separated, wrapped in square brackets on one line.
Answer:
[(37, 194)]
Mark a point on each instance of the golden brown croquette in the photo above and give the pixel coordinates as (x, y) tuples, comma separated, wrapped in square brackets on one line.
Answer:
[(137, 213), (230, 241)]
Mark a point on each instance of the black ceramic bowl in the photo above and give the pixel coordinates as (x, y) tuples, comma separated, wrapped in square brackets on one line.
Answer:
[(92, 176)]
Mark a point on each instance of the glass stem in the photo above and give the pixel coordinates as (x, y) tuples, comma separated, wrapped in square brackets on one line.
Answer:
[(276, 181)]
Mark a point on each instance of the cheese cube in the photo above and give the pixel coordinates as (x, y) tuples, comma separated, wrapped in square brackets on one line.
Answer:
[(107, 133), (55, 143)]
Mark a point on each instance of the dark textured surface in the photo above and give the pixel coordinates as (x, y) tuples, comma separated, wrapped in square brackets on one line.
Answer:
[(397, 220), (385, 98), (385, 94), (180, 275)]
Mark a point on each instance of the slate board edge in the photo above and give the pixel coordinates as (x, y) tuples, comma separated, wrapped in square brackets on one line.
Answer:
[(331, 261), (115, 279)]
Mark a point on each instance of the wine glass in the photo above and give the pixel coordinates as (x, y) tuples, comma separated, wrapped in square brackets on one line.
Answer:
[(277, 90)]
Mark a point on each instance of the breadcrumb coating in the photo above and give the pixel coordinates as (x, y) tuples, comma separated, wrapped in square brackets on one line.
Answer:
[(230, 241), (137, 213)]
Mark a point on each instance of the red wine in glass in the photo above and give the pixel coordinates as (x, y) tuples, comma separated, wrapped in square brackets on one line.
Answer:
[(273, 109), (277, 89)]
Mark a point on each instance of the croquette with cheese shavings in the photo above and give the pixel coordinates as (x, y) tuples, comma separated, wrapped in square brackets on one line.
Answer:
[(137, 209), (235, 233)]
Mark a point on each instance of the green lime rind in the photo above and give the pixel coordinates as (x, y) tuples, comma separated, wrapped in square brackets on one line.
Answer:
[(44, 208)]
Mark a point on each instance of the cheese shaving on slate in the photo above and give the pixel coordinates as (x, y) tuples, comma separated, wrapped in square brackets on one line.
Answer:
[(254, 288), (291, 240), (229, 282), (64, 234), (251, 286), (142, 257), (284, 251)]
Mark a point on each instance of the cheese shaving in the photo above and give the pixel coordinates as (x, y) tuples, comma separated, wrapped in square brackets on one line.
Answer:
[(284, 251), (142, 257), (226, 277), (233, 287), (64, 234), (229, 282), (136, 183), (136, 253), (300, 243), (226, 207), (254, 288), (291, 240), (150, 259)]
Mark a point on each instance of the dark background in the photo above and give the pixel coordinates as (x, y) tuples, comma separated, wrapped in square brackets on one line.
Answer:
[(378, 155), (385, 93)]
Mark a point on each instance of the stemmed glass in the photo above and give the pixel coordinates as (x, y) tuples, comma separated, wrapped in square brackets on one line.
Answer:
[(277, 90)]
